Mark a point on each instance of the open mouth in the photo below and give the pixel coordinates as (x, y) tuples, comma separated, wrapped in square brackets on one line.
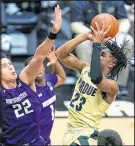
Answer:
[(14, 73)]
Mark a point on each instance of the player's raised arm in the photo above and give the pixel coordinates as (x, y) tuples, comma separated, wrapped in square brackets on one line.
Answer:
[(98, 63), (69, 61), (64, 50), (58, 69), (30, 71), (72, 62), (64, 56)]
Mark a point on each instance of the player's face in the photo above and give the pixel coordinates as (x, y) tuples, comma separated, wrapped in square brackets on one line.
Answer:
[(7, 70), (107, 60), (41, 72)]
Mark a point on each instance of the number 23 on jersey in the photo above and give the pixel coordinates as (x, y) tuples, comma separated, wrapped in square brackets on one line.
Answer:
[(78, 102)]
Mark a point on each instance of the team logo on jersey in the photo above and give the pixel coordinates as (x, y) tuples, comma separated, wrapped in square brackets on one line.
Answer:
[(40, 95), (50, 85), (87, 72)]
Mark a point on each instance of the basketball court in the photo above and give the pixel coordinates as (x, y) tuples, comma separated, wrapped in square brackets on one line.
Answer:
[(124, 126), (119, 117)]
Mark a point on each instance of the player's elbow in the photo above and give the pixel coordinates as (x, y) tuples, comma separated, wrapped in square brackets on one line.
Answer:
[(59, 53), (62, 81), (63, 78)]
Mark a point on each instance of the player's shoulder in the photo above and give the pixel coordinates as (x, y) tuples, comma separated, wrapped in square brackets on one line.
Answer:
[(83, 65), (113, 82), (114, 87), (86, 67), (50, 75)]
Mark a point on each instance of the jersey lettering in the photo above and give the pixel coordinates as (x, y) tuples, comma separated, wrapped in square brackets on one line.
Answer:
[(86, 88), (52, 111)]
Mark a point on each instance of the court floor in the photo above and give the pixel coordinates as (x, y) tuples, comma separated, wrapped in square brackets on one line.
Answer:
[(124, 126)]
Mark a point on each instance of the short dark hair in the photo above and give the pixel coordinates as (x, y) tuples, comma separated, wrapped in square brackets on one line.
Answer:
[(2, 55), (119, 53), (26, 62), (109, 137)]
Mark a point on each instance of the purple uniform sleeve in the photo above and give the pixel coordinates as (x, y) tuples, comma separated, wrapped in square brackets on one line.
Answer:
[(51, 78)]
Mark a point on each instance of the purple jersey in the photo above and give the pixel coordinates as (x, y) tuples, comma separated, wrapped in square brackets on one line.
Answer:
[(47, 98), (21, 113)]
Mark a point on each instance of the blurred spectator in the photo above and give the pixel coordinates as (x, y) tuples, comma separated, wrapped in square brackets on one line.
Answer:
[(129, 2), (82, 14)]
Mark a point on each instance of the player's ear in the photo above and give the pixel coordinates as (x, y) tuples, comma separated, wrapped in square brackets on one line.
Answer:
[(112, 64)]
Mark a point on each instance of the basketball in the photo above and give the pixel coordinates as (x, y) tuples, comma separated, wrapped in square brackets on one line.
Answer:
[(108, 20)]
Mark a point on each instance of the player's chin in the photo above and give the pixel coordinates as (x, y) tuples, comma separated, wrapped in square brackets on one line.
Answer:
[(14, 77), (40, 76)]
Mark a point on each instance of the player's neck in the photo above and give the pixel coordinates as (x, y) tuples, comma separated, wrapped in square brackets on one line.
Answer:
[(106, 71), (9, 84), (41, 82)]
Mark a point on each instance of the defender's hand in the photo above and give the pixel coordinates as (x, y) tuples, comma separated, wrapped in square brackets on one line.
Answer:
[(51, 57), (57, 22)]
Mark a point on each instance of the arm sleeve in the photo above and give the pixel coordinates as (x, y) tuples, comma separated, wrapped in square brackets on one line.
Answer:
[(95, 71), (52, 78)]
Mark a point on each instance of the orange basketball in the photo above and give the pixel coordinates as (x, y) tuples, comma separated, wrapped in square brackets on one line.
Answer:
[(108, 20)]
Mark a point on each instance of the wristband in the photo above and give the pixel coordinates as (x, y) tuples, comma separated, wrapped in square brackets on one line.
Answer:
[(99, 46), (52, 36)]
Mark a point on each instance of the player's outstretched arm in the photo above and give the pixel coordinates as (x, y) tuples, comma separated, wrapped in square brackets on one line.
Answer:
[(64, 50), (29, 72), (72, 62), (58, 69)]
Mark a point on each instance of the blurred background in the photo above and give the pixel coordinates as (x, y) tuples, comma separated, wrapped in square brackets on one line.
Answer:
[(26, 23)]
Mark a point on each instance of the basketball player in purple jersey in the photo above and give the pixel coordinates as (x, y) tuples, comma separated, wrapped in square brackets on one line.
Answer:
[(20, 107), (45, 84)]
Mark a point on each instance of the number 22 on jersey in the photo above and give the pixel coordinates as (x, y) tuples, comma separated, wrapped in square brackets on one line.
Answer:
[(22, 109)]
